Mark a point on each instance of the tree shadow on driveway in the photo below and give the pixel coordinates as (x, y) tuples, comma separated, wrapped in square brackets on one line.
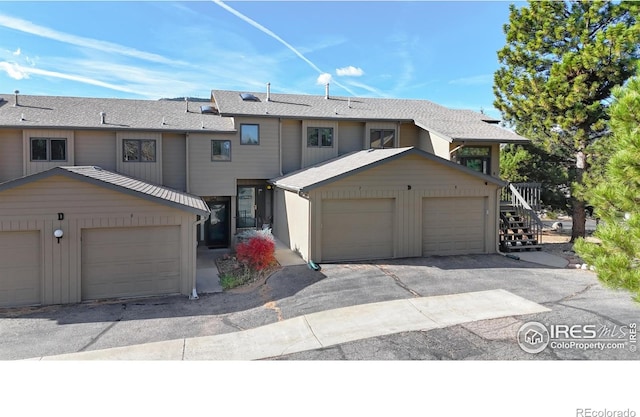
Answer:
[(283, 283)]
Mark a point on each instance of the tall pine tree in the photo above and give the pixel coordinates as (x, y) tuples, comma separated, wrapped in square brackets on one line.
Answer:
[(558, 68), (617, 198)]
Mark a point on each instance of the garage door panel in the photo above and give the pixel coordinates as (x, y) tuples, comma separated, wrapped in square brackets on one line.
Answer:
[(20, 268), (129, 253), (357, 229), (126, 262), (453, 226)]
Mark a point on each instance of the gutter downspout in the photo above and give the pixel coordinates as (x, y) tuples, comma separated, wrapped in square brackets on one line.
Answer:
[(187, 175), (280, 144), (194, 292)]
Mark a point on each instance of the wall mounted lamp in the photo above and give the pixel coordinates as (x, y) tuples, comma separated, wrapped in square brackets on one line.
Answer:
[(58, 233)]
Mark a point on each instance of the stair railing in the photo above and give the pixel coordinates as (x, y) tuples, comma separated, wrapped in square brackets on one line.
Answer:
[(523, 207)]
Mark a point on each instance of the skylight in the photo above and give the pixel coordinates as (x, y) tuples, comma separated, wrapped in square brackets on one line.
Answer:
[(248, 97), (208, 109)]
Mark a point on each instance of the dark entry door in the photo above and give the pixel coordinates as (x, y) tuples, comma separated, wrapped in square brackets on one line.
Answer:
[(218, 226)]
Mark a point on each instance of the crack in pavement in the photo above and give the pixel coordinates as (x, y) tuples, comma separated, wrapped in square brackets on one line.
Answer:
[(398, 281), (560, 302), (577, 293), (228, 322)]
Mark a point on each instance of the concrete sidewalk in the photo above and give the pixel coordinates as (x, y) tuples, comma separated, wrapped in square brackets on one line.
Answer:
[(327, 328), (541, 258)]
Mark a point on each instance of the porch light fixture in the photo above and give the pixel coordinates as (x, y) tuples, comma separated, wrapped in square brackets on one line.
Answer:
[(58, 233)]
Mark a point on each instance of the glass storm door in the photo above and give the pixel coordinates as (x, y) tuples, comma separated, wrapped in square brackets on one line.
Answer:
[(247, 206), (218, 227)]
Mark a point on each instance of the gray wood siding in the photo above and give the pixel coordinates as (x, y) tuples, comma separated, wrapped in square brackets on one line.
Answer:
[(34, 206), (391, 180), (11, 151), (174, 161), (351, 137), (291, 145), (291, 222), (218, 178), (146, 171), (409, 135), (33, 167), (312, 155), (96, 148)]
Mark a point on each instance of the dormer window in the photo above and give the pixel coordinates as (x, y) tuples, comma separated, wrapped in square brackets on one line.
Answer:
[(139, 150), (48, 149), (319, 137), (382, 138)]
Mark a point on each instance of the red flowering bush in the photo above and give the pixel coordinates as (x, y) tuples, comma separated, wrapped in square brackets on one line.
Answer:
[(258, 252)]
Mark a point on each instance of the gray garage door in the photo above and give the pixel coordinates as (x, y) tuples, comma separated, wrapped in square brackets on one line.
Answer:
[(19, 268), (357, 229), (453, 226), (128, 262)]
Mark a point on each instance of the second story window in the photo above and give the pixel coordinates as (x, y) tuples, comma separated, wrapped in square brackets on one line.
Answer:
[(48, 149), (477, 158), (221, 150), (139, 150), (249, 134), (319, 137), (382, 138)]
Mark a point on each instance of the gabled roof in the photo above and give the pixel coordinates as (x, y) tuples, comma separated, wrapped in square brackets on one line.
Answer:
[(327, 172), (121, 183), (120, 114), (452, 124)]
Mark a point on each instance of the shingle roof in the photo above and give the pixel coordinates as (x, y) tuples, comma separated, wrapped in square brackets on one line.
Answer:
[(122, 183), (326, 172), (120, 114), (454, 124)]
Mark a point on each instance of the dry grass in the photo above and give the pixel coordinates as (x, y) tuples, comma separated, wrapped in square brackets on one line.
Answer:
[(558, 243)]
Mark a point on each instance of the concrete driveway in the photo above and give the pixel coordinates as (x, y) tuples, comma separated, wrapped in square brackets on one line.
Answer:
[(574, 297)]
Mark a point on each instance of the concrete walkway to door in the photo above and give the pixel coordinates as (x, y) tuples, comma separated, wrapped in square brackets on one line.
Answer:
[(208, 278)]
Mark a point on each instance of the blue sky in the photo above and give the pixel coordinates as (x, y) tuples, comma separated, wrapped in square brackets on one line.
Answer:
[(439, 51)]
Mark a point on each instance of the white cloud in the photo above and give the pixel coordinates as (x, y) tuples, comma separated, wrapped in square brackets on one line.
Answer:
[(324, 78), (349, 71), (19, 72), (17, 52), (14, 71), (28, 27)]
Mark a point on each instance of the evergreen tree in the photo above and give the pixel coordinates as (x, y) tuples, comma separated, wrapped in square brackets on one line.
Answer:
[(617, 199), (558, 68), (528, 163)]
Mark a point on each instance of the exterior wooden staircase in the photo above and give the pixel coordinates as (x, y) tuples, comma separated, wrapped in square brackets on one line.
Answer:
[(520, 226)]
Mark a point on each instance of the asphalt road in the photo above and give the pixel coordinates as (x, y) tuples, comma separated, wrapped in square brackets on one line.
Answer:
[(574, 296)]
